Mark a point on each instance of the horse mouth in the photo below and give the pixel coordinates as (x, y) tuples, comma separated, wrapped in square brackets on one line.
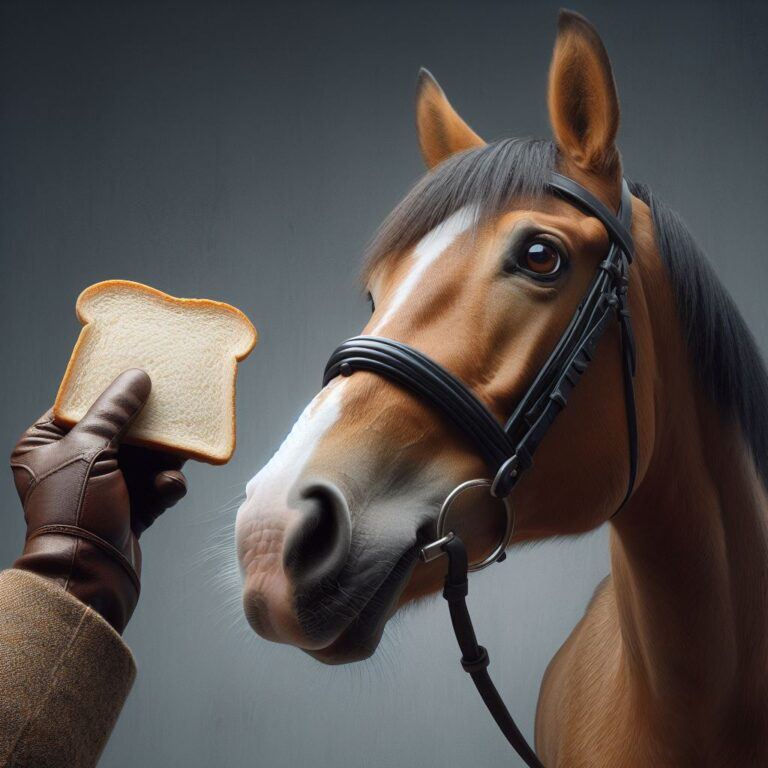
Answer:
[(360, 638)]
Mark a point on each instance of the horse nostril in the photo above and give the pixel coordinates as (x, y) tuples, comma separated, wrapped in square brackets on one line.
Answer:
[(317, 549)]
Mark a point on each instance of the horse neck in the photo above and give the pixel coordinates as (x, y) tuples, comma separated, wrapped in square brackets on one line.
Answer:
[(689, 556)]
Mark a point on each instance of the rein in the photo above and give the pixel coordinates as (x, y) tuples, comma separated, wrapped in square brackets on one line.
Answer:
[(509, 448)]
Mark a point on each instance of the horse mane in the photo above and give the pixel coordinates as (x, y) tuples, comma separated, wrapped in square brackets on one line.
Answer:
[(488, 179), (723, 352)]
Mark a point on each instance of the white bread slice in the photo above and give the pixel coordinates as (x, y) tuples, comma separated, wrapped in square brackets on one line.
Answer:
[(189, 348)]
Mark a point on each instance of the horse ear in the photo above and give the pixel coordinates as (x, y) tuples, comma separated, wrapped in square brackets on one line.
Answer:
[(583, 104), (441, 131)]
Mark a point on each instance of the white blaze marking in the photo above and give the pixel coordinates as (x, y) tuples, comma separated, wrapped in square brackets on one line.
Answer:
[(275, 479), (428, 250)]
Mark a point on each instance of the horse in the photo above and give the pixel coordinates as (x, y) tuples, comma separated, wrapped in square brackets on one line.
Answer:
[(480, 267)]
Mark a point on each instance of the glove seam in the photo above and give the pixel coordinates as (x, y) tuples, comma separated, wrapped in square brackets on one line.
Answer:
[(63, 465), (33, 482), (84, 486), (81, 533)]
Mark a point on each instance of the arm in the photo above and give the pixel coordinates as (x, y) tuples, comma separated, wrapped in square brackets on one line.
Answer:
[(64, 669)]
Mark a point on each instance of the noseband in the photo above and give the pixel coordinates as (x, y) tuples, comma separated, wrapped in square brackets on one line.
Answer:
[(508, 448)]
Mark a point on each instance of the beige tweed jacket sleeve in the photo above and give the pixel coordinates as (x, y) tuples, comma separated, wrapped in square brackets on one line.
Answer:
[(64, 676)]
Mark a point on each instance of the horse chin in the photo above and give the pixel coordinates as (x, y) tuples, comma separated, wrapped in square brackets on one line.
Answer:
[(346, 650), (359, 640)]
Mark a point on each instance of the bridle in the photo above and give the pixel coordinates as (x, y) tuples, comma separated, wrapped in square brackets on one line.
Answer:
[(508, 449)]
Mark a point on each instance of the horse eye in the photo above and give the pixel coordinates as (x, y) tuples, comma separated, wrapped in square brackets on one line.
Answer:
[(371, 302), (541, 259)]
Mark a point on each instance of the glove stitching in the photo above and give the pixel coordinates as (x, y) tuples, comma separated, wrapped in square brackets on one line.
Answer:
[(84, 486), (33, 482), (38, 480), (63, 465), (78, 511), (81, 533)]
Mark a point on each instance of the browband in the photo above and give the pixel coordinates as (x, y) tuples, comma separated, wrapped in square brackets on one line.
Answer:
[(618, 227)]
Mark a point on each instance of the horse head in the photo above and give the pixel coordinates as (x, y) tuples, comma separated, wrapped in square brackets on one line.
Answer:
[(481, 268)]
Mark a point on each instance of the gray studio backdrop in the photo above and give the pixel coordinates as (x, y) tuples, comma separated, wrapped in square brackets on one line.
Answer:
[(246, 152)]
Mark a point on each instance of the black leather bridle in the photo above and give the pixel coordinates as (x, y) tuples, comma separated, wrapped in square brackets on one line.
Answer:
[(508, 449)]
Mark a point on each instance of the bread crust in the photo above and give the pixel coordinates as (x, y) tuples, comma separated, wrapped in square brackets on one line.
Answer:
[(82, 316)]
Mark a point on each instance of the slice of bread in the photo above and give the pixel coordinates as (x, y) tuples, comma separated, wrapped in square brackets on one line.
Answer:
[(189, 348)]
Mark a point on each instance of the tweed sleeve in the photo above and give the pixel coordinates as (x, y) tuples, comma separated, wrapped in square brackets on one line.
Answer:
[(64, 676)]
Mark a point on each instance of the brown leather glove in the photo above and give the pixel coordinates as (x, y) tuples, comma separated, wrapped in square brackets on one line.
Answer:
[(86, 499)]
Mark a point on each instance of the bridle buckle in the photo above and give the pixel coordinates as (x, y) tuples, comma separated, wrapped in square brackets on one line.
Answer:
[(505, 478)]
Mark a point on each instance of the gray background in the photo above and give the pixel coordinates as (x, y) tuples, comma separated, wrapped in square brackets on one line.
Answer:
[(246, 152)]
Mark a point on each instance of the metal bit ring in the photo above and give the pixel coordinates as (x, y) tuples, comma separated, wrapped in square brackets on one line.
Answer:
[(509, 529)]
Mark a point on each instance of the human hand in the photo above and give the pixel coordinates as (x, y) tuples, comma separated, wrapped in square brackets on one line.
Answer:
[(87, 499)]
